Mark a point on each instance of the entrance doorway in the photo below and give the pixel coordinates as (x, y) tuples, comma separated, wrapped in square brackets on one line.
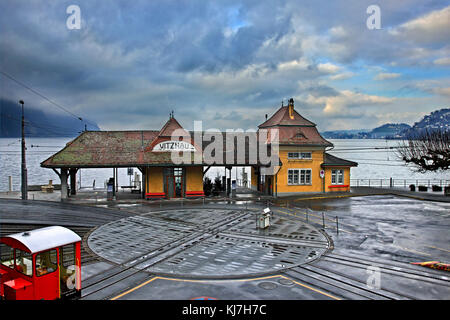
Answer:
[(174, 182)]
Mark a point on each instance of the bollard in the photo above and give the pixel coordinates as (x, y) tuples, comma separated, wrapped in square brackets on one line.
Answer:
[(337, 225), (10, 183), (323, 220)]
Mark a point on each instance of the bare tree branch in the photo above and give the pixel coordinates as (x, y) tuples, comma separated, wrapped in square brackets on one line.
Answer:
[(427, 150)]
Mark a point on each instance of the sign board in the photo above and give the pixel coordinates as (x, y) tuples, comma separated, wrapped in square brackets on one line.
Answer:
[(322, 173), (174, 146)]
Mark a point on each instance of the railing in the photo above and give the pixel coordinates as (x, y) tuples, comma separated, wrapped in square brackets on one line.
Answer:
[(398, 183)]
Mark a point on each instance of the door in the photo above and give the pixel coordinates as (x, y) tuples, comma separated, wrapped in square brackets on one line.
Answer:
[(67, 266), (46, 275), (178, 182), (174, 182)]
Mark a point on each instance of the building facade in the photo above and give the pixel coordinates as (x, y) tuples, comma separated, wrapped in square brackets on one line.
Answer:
[(299, 165), (305, 164)]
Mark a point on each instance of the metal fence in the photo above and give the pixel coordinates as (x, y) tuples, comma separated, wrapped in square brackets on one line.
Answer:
[(398, 183)]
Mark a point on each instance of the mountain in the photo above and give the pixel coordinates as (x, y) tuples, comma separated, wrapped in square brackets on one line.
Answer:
[(386, 130), (38, 123), (439, 119), (345, 134)]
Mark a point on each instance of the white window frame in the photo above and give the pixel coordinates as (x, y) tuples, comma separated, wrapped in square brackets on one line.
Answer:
[(338, 175), (297, 172), (300, 155)]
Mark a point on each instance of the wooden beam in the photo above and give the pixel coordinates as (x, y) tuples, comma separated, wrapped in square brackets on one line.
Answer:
[(206, 170), (59, 174)]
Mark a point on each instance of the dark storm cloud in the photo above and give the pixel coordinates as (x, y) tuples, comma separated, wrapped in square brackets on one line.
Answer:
[(133, 62)]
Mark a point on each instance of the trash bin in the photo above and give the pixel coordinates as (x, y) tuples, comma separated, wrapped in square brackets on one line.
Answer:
[(412, 187), (264, 219)]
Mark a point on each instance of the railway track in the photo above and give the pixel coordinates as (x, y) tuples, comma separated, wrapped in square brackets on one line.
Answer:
[(136, 265), (339, 285), (343, 285), (430, 276)]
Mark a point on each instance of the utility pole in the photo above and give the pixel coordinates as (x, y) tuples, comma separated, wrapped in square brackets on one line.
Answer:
[(24, 164)]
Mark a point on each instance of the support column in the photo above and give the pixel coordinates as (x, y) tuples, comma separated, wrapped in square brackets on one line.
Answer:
[(73, 181), (63, 177)]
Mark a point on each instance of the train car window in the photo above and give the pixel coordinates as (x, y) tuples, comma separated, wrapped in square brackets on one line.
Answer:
[(46, 262), (67, 256), (24, 262), (6, 255)]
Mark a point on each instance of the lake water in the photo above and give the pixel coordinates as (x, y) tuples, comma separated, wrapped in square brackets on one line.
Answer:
[(373, 164)]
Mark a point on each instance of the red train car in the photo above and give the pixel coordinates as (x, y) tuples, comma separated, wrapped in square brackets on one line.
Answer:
[(41, 264)]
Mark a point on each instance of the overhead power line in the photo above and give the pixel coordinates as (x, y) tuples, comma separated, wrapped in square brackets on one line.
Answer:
[(42, 96), (32, 124)]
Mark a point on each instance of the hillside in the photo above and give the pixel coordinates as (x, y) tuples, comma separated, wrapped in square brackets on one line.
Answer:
[(381, 132), (38, 123), (389, 130), (439, 119)]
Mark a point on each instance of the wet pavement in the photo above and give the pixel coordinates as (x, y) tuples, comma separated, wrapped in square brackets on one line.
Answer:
[(388, 227), (186, 250)]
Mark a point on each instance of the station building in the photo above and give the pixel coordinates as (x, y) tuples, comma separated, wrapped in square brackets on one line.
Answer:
[(302, 163)]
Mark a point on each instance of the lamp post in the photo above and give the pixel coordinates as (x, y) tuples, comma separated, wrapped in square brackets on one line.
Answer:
[(24, 164)]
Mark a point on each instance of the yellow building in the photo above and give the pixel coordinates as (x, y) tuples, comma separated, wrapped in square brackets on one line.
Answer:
[(304, 164)]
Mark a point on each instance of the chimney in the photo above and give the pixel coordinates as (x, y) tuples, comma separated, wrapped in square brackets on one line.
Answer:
[(266, 116), (291, 108)]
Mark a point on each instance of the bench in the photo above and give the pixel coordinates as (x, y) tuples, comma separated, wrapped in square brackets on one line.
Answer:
[(134, 189), (48, 188)]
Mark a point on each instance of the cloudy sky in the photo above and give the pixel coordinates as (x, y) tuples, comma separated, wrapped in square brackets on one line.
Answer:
[(229, 62)]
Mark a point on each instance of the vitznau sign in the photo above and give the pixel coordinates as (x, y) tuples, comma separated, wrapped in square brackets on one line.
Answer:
[(174, 146)]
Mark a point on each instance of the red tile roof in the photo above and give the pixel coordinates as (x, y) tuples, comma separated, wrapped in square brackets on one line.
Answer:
[(296, 130), (282, 118)]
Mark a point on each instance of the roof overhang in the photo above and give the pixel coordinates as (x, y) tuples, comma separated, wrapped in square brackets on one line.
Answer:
[(42, 239)]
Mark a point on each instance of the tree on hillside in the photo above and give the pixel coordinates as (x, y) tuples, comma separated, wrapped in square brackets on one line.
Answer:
[(427, 150)]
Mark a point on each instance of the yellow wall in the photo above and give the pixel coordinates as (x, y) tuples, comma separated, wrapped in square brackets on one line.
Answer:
[(194, 178), (328, 179), (313, 164), (154, 180), (254, 179)]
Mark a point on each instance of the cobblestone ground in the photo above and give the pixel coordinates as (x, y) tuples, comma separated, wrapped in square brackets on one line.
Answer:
[(225, 243)]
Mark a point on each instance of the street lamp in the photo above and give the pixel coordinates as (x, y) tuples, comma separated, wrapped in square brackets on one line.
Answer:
[(24, 164)]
